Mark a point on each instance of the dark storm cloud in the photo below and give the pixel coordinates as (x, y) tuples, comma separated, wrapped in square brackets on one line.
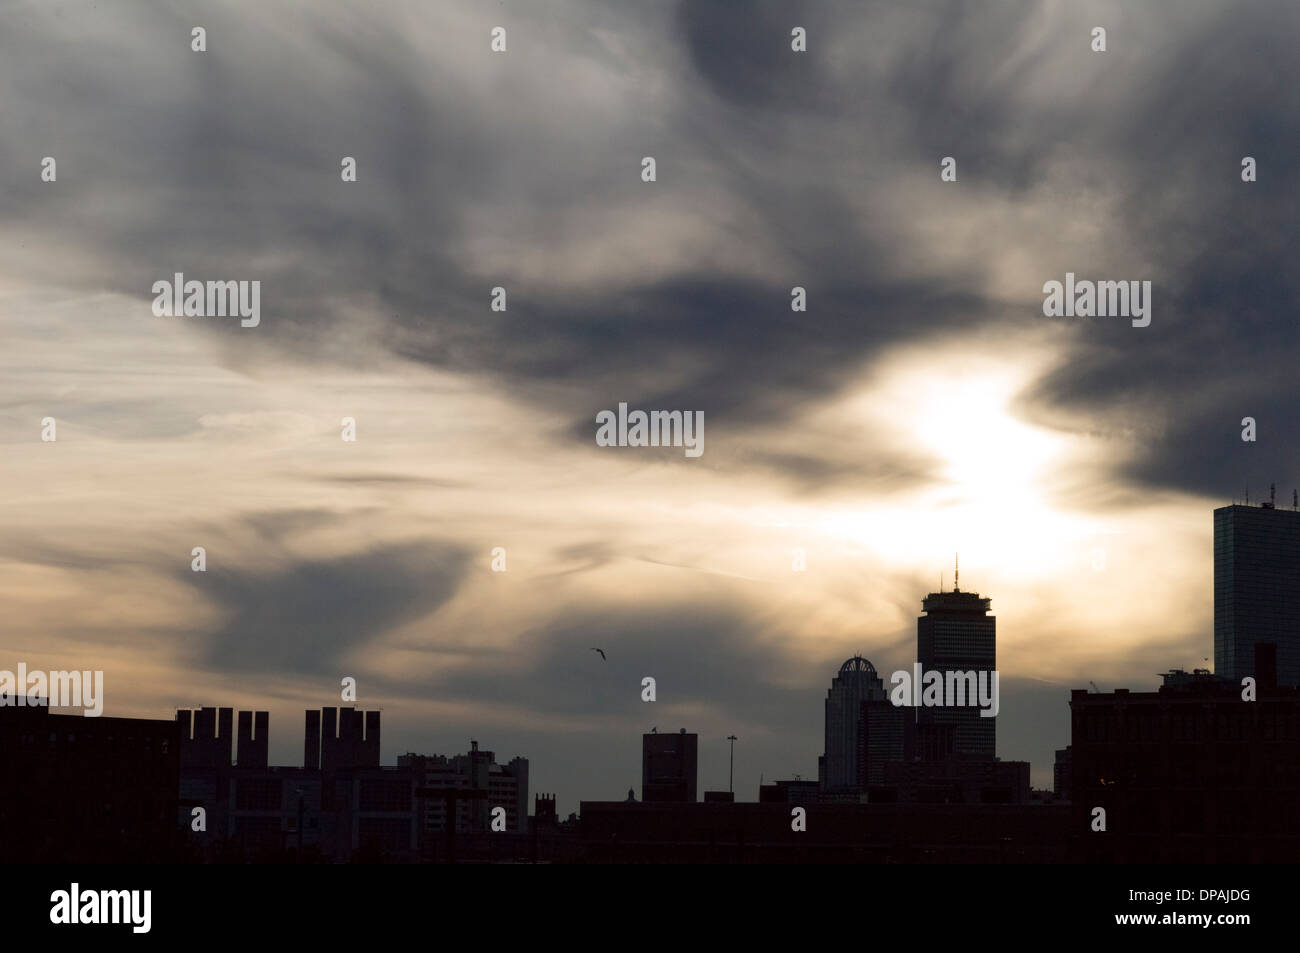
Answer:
[(248, 165), (1183, 94), (713, 677), (746, 59), (302, 617), (760, 365), (698, 653), (1222, 343), (236, 156)]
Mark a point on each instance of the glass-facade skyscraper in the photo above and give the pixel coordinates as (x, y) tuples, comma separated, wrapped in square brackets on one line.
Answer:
[(1256, 589)]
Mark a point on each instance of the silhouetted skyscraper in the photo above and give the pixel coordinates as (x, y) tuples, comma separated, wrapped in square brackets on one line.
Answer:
[(857, 682), (1256, 589), (956, 634), (669, 765)]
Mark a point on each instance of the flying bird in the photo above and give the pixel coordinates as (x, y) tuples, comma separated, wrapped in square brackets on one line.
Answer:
[(602, 653)]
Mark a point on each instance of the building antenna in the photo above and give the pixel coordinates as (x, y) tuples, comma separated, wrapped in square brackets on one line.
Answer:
[(956, 573)]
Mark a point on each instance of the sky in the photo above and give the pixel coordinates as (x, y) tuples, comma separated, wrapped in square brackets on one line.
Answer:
[(922, 406)]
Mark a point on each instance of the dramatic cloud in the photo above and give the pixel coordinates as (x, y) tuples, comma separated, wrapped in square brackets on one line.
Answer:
[(922, 404)]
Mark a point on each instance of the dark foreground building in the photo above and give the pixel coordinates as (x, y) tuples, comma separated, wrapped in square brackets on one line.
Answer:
[(87, 790), (1187, 774)]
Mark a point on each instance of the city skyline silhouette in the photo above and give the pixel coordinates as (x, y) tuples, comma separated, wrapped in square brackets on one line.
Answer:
[(886, 753)]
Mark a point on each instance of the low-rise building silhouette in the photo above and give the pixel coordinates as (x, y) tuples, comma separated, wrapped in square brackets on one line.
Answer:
[(1191, 773), (793, 791), (500, 785), (340, 805), (669, 766)]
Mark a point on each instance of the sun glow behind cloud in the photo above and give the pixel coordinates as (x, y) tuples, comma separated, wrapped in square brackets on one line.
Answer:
[(988, 496)]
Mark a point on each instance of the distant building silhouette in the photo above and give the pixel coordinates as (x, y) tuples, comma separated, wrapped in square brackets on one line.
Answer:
[(368, 810), (953, 781), (351, 808), (669, 766), (1062, 771), (842, 767), (341, 738), (1256, 589), (501, 786), (544, 814), (237, 800), (796, 791), (956, 633)]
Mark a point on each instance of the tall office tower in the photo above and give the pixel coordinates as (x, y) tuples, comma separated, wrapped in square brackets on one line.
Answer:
[(1256, 589), (857, 682), (669, 766), (956, 634)]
